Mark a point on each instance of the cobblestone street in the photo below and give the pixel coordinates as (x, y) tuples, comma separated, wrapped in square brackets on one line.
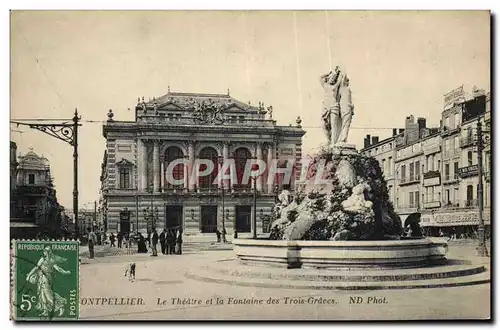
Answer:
[(160, 279)]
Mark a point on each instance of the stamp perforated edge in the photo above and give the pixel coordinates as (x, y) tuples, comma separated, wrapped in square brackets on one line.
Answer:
[(13, 282)]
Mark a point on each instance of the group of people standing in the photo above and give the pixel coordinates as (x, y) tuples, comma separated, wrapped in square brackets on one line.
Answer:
[(170, 241), (120, 237)]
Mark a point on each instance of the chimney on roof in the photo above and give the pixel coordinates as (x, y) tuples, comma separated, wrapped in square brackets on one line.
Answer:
[(421, 123), (394, 131), (367, 141), (374, 139), (401, 130)]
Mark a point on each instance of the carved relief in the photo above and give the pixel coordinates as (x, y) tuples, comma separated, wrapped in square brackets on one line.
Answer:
[(207, 111)]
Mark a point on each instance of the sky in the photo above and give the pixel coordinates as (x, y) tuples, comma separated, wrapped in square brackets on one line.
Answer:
[(399, 63)]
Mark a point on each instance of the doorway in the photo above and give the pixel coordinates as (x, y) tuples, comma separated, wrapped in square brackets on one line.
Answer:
[(243, 217), (173, 216), (208, 222)]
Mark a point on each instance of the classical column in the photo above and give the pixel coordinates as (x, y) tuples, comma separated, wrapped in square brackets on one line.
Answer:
[(186, 174), (190, 166), (156, 165), (271, 154), (142, 163), (225, 156), (259, 157)]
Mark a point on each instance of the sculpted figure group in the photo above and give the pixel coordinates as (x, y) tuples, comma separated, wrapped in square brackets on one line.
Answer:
[(337, 106)]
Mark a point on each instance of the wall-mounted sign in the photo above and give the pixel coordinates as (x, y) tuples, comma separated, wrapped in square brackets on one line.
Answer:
[(436, 181), (468, 171), (460, 218), (454, 96)]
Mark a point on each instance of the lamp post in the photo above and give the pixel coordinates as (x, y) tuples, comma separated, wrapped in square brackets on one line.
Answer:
[(151, 215), (63, 130), (221, 162), (482, 251)]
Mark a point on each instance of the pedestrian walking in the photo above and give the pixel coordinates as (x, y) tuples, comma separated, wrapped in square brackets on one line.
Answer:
[(91, 241), (178, 245), (154, 242), (112, 240), (162, 240)]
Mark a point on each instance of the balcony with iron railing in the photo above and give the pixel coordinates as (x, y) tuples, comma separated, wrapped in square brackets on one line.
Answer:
[(412, 179), (468, 141), (450, 204), (471, 203), (451, 178)]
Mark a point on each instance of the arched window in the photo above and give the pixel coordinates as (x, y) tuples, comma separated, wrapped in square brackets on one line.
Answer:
[(241, 155), (171, 154), (207, 181)]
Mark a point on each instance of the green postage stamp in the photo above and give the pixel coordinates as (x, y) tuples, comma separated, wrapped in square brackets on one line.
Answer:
[(46, 280)]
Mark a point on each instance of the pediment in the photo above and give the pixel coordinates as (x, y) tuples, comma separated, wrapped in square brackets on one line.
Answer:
[(124, 163), (170, 105)]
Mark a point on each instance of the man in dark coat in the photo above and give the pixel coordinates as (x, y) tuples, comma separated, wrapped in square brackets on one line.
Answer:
[(170, 240), (162, 240), (141, 245), (112, 240), (178, 243), (154, 242), (120, 239)]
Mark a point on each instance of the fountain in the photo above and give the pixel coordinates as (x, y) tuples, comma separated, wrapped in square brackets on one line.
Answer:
[(340, 231)]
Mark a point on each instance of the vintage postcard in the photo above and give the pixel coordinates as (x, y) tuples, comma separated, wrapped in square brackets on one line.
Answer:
[(250, 165)]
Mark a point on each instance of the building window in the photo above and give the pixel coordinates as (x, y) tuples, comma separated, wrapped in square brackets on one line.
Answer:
[(469, 158), (412, 202), (383, 166), (446, 172), (457, 120), (403, 173), (389, 166), (412, 171), (241, 155), (447, 198), (455, 170), (31, 178), (456, 197), (417, 170), (446, 123), (124, 178), (171, 154), (207, 181)]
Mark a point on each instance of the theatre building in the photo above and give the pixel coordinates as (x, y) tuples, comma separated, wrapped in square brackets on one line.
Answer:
[(136, 186)]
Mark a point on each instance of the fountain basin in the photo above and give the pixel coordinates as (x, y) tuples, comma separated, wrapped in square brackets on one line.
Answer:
[(342, 254)]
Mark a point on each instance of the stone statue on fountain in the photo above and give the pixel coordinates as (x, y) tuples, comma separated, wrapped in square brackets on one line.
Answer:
[(338, 108)]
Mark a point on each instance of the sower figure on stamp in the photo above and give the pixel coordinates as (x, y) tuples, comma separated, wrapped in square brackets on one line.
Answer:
[(43, 276), (337, 106)]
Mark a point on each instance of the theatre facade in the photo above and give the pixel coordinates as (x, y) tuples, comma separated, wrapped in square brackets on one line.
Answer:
[(186, 130)]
